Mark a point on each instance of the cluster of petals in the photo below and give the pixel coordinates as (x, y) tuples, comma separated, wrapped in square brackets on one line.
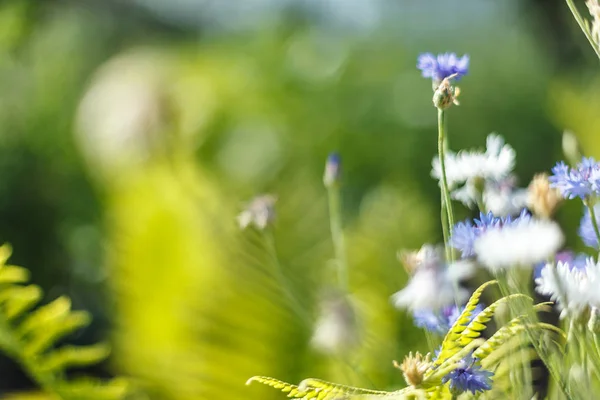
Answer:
[(581, 181), (443, 65), (572, 285), (469, 377), (522, 243)]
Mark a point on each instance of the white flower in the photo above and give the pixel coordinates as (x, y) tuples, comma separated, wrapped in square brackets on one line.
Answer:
[(496, 163), (504, 201), (520, 244), (336, 329), (434, 286), (574, 289), (260, 212)]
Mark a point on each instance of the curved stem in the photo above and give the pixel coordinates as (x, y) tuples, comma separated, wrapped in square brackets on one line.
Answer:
[(582, 26), (447, 223)]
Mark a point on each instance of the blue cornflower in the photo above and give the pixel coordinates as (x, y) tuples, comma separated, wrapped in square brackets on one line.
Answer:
[(469, 377), (442, 66), (581, 181), (440, 322), (465, 233), (586, 228)]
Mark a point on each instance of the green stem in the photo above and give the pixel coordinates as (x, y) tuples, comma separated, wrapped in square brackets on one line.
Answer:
[(282, 281), (583, 27), (337, 236), (445, 228), (448, 223)]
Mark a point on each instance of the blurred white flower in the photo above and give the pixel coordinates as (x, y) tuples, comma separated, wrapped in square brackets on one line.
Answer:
[(260, 212), (336, 329), (520, 244), (503, 199), (434, 284), (121, 117), (573, 287), (496, 163)]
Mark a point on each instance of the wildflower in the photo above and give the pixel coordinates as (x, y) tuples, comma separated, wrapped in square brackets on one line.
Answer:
[(471, 168), (426, 257), (573, 286), (464, 234), (443, 66), (336, 328), (581, 181), (586, 229), (441, 322), (469, 377), (574, 260), (434, 283), (542, 199), (332, 170), (502, 198), (522, 243), (414, 367), (260, 212)]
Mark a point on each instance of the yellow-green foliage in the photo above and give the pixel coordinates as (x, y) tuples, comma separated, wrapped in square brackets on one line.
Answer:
[(30, 338), (462, 339)]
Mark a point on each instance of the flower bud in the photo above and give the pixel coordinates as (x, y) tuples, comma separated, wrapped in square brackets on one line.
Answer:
[(445, 95), (571, 148), (260, 212), (332, 173), (542, 199)]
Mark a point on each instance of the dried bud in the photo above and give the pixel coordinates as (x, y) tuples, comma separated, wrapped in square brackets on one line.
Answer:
[(414, 367), (445, 95), (332, 173), (542, 199), (260, 212), (571, 148)]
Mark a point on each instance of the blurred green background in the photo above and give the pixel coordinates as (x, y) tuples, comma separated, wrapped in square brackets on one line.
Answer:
[(132, 133)]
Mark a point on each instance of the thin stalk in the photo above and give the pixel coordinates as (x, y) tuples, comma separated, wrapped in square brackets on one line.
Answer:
[(282, 280), (337, 236), (445, 228), (582, 26), (449, 222)]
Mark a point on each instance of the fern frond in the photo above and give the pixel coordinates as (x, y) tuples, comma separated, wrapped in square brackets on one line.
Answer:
[(31, 338), (322, 390), (451, 341)]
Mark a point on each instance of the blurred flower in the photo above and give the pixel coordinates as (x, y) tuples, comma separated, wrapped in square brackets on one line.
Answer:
[(573, 286), (542, 199), (464, 234), (121, 119), (441, 321), (336, 329), (586, 229), (434, 284), (581, 181), (522, 243), (574, 260), (469, 377), (260, 212), (414, 367), (474, 168), (426, 257), (503, 198), (442, 66), (332, 173)]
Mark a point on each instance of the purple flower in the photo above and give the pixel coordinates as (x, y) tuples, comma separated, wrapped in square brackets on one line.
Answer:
[(581, 181), (465, 233), (469, 377), (576, 261), (442, 66), (586, 228)]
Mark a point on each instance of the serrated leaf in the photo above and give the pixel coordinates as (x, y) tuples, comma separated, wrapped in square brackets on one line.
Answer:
[(21, 299), (57, 309), (92, 389), (13, 274), (57, 329)]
